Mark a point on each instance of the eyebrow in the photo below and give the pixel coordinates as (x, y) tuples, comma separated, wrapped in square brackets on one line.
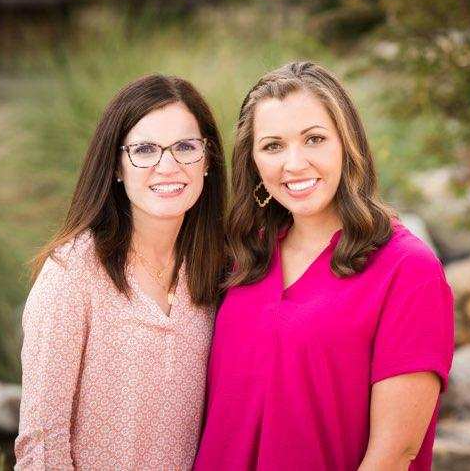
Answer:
[(153, 141), (301, 132)]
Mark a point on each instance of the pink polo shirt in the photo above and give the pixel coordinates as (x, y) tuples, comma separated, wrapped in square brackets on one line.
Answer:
[(291, 371)]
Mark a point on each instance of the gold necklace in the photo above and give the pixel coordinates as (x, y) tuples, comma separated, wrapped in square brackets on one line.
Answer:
[(156, 272), (157, 275)]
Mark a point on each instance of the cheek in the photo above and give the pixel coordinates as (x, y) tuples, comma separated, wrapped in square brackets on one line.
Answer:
[(337, 169), (196, 176), (197, 186), (267, 168), (330, 165), (134, 181)]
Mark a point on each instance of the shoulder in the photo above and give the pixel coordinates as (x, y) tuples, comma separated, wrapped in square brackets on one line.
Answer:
[(64, 285), (408, 255), (79, 248), (73, 261)]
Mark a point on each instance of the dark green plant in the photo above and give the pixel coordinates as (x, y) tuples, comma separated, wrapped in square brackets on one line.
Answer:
[(432, 42), (346, 21), (59, 100)]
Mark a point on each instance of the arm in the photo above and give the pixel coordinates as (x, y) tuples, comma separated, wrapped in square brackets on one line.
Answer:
[(400, 412), (54, 336)]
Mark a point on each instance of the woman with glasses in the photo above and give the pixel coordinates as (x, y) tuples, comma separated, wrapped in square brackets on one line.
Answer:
[(118, 324), (336, 334)]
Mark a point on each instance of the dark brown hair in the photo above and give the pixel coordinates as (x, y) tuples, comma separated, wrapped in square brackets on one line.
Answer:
[(365, 219), (100, 203)]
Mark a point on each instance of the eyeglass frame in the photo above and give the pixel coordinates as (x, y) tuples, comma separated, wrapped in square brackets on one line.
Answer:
[(204, 141)]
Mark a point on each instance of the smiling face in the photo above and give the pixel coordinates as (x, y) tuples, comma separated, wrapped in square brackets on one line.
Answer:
[(168, 189), (298, 153)]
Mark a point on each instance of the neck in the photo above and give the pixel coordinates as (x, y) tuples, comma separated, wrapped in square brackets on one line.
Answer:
[(316, 229), (155, 237)]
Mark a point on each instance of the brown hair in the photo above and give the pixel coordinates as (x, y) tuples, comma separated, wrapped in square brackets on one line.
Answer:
[(365, 219), (101, 205)]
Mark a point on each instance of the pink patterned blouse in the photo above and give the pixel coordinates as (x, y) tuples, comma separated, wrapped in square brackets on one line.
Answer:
[(109, 382)]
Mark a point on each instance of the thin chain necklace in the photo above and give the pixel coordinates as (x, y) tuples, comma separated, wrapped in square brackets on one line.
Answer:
[(157, 275)]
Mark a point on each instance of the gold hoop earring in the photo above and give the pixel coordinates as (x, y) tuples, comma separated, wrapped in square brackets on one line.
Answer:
[(261, 204)]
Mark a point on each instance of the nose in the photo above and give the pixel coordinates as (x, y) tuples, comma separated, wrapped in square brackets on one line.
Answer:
[(295, 159), (167, 164)]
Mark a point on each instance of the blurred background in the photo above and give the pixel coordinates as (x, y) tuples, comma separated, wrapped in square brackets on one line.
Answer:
[(406, 65)]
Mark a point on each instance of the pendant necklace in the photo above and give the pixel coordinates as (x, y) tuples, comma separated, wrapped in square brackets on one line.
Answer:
[(157, 274)]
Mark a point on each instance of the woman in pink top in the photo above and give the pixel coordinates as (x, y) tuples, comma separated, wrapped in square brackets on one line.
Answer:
[(336, 334), (118, 324)]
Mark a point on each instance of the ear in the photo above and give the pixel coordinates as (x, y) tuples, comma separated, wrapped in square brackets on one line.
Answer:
[(118, 174)]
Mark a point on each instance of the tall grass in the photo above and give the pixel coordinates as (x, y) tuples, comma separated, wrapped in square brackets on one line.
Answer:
[(62, 92)]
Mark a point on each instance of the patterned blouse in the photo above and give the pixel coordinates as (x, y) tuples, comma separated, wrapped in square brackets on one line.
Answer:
[(109, 383)]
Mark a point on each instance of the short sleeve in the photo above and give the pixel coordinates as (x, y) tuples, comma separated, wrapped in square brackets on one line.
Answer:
[(415, 330)]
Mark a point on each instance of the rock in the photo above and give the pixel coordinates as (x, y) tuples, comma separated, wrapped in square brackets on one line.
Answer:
[(451, 450), (387, 50), (417, 226), (457, 273), (10, 396), (446, 213), (458, 276), (456, 400)]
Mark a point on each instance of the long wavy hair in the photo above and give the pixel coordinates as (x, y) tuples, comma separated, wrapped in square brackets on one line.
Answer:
[(252, 231), (101, 205)]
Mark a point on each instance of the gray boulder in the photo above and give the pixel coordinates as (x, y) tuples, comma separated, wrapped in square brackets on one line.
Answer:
[(10, 396), (445, 207), (456, 401), (451, 450), (417, 226), (458, 275)]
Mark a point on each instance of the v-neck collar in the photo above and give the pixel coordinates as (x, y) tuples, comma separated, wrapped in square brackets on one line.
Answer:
[(151, 304), (277, 263)]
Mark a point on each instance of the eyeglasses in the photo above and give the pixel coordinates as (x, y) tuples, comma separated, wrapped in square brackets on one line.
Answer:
[(149, 154)]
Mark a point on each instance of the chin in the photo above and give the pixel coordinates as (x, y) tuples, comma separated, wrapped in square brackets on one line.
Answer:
[(306, 209), (169, 215), (304, 214), (162, 213)]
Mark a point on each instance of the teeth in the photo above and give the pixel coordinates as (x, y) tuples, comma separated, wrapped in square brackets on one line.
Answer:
[(299, 186), (168, 187)]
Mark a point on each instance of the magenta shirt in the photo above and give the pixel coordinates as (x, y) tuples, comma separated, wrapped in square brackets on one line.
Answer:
[(291, 371)]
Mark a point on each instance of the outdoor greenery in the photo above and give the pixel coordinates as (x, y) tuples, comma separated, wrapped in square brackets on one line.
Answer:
[(408, 102)]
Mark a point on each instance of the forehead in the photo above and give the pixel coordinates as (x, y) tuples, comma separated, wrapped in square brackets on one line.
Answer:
[(166, 125), (295, 112)]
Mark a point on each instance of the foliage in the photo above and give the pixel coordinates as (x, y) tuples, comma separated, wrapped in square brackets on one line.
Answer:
[(346, 21), (433, 50), (60, 94)]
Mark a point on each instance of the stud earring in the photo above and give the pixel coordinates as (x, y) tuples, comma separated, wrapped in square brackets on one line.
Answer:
[(206, 173), (261, 204), (118, 180)]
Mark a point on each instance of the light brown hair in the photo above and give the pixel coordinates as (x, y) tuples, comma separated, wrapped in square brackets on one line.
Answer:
[(252, 231), (100, 203)]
